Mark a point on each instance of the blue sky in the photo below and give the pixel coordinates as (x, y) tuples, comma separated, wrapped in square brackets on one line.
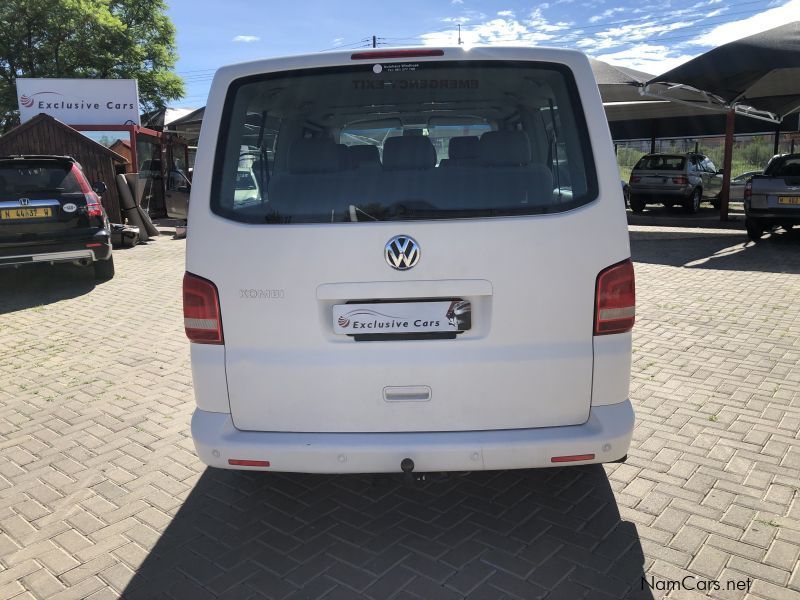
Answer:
[(650, 35)]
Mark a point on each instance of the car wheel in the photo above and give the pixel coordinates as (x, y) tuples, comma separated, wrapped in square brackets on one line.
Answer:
[(693, 203), (716, 202), (637, 204), (754, 230), (104, 269), (626, 195), (787, 226)]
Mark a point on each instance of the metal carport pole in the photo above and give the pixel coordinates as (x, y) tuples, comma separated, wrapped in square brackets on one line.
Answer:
[(730, 119)]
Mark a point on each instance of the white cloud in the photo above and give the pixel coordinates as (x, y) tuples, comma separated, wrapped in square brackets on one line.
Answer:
[(653, 59), (456, 2), (504, 29), (606, 13), (246, 38), (728, 32)]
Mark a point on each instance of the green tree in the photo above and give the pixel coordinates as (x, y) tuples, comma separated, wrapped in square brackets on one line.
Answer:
[(87, 38)]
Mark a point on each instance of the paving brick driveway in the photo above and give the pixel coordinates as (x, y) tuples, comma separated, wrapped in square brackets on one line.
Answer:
[(101, 494)]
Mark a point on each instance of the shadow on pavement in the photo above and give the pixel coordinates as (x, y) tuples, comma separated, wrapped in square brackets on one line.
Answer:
[(778, 252), (505, 534), (36, 285)]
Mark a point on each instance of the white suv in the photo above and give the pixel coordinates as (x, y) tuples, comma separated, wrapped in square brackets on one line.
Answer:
[(433, 270)]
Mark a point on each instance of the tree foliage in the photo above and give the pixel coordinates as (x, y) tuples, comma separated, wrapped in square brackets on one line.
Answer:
[(87, 38)]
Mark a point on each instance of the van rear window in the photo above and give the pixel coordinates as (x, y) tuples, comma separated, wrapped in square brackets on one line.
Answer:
[(403, 141)]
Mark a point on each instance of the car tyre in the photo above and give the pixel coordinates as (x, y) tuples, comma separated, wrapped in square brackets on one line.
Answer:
[(692, 205), (716, 202), (787, 226), (626, 196), (637, 204), (104, 269), (754, 230)]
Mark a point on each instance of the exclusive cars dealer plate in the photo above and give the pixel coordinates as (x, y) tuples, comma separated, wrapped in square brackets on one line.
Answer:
[(789, 200), (402, 317)]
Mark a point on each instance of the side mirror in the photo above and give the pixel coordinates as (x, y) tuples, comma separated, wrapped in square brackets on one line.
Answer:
[(99, 188)]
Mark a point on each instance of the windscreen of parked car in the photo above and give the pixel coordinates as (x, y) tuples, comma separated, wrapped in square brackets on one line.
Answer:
[(28, 177), (784, 166), (661, 163), (424, 140)]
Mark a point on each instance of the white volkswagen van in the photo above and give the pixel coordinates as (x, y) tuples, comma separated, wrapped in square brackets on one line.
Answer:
[(430, 273)]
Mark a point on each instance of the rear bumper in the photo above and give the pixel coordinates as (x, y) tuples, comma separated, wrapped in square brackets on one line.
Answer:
[(660, 194), (94, 248), (607, 435)]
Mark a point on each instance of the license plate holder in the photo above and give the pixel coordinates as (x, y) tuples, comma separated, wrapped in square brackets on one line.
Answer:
[(789, 200), (403, 318), (39, 212)]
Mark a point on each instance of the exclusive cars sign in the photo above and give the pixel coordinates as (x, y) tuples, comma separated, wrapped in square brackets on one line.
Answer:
[(402, 317), (80, 101)]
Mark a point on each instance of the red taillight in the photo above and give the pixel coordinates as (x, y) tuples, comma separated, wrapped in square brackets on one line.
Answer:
[(635, 179), (748, 189), (615, 299), (572, 458), (376, 54), (241, 462), (682, 180), (93, 206), (201, 314)]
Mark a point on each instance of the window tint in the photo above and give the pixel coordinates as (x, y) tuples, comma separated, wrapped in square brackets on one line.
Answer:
[(31, 178), (784, 166), (659, 162), (431, 140)]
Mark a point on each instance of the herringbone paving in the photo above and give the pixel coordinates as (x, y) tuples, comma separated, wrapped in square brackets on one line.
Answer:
[(101, 495)]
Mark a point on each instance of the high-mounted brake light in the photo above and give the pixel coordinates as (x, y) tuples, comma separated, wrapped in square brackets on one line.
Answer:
[(201, 315), (413, 53), (93, 206), (615, 299)]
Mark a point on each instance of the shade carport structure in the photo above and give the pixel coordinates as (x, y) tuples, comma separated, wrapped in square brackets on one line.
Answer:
[(757, 76)]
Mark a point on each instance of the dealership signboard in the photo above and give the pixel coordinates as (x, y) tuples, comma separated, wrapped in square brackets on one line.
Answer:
[(80, 101)]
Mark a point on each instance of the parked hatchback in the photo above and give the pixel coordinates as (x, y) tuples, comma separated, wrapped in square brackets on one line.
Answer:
[(49, 213), (431, 272), (674, 180)]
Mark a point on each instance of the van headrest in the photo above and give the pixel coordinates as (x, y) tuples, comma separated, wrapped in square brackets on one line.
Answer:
[(313, 155), (408, 152), (363, 154), (463, 147), (505, 148)]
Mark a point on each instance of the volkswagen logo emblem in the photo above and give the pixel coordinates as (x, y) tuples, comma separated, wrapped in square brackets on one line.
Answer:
[(402, 252), (24, 201)]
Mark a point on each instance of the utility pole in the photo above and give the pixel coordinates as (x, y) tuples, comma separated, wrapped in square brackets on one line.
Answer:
[(374, 42), (459, 35)]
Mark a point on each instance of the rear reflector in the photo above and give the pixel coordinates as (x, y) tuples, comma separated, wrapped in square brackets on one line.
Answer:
[(615, 299), (238, 462), (201, 315), (93, 245), (414, 53), (572, 458)]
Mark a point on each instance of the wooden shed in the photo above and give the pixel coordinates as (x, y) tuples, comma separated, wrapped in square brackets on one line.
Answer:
[(45, 135)]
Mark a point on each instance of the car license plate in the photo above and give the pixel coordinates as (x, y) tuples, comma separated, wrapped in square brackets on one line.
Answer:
[(25, 213), (789, 200), (402, 317)]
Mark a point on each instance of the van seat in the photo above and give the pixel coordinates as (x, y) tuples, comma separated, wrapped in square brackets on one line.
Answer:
[(364, 156)]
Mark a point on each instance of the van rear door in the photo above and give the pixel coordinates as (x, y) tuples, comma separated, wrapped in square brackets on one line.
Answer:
[(417, 283)]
